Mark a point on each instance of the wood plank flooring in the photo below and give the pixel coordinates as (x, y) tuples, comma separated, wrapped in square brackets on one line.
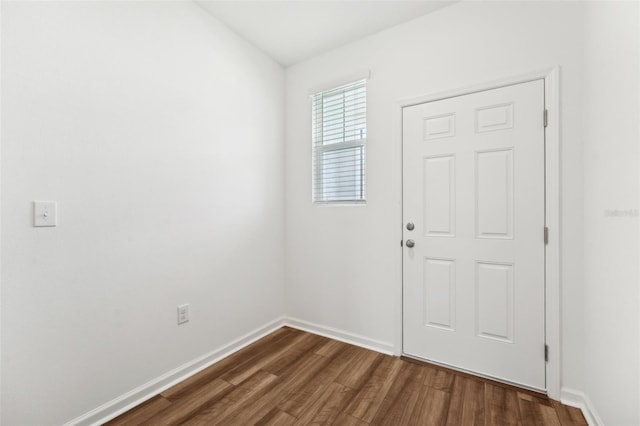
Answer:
[(296, 378)]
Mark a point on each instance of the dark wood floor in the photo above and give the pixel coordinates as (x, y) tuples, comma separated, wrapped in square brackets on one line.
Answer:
[(295, 378)]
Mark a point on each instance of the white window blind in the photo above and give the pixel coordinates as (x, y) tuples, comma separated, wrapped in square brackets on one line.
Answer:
[(339, 135)]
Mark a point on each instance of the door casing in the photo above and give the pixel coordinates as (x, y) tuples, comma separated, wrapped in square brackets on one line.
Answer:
[(552, 206)]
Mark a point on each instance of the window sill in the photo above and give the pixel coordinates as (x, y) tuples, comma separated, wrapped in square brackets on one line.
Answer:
[(339, 203)]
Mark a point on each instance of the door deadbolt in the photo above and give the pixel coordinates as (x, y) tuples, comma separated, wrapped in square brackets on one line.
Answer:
[(410, 226)]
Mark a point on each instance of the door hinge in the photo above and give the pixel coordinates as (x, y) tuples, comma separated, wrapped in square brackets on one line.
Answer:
[(546, 353), (545, 118), (546, 235)]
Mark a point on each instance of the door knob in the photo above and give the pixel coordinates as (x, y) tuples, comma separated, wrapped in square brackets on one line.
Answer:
[(410, 226), (410, 243)]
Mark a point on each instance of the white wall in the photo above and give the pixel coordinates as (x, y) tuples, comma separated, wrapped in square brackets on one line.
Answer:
[(611, 279), (342, 262), (127, 114), (159, 133)]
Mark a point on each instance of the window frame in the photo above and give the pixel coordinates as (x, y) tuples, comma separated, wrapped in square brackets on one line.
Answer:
[(318, 150)]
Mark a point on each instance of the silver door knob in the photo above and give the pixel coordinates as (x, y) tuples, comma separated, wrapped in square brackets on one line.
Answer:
[(410, 226), (410, 243)]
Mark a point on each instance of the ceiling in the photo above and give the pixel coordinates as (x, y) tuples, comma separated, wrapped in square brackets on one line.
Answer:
[(291, 31)]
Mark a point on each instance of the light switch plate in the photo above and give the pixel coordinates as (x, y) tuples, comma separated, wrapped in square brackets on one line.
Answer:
[(45, 213), (183, 313)]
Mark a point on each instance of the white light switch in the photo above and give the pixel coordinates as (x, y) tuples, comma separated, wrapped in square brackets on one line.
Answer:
[(45, 213)]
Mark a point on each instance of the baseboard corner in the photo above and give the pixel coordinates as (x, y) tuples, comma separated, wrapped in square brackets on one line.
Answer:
[(341, 335), (125, 402), (578, 399)]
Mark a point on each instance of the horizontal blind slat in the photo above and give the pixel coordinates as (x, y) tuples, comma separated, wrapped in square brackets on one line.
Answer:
[(342, 177), (330, 104), (340, 111), (340, 163)]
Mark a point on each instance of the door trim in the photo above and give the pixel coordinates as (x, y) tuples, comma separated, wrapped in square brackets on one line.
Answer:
[(551, 77)]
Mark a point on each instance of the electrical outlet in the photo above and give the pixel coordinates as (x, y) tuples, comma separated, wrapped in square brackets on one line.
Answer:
[(183, 313)]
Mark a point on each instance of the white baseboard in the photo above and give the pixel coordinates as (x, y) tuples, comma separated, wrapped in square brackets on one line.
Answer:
[(578, 399), (125, 402), (142, 393), (341, 335)]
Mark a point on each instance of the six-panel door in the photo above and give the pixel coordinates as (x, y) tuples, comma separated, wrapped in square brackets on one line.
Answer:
[(473, 185)]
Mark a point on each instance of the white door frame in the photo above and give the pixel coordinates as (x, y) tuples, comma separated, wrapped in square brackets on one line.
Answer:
[(551, 77)]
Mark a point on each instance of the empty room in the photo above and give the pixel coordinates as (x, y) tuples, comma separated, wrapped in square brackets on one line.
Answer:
[(319, 212)]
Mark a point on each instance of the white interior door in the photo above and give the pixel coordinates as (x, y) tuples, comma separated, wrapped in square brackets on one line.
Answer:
[(473, 186)]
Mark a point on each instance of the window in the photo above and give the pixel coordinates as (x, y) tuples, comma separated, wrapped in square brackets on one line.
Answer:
[(339, 136)]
